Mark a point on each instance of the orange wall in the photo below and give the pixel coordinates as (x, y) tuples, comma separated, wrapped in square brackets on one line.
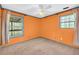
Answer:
[(1, 24), (31, 25), (48, 27), (51, 29)]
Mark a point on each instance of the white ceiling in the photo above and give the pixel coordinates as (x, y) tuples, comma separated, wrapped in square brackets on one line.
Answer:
[(39, 10)]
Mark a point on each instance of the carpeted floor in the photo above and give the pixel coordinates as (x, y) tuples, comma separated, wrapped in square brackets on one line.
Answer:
[(38, 46)]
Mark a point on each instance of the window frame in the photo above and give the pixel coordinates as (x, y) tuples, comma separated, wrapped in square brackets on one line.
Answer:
[(69, 21), (14, 35)]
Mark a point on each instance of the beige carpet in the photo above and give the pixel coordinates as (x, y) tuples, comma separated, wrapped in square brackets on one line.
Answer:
[(38, 46)]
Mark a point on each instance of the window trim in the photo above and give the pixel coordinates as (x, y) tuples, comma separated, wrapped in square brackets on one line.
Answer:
[(10, 37), (68, 21)]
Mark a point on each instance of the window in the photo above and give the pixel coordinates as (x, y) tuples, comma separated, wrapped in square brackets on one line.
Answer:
[(15, 26), (68, 21)]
